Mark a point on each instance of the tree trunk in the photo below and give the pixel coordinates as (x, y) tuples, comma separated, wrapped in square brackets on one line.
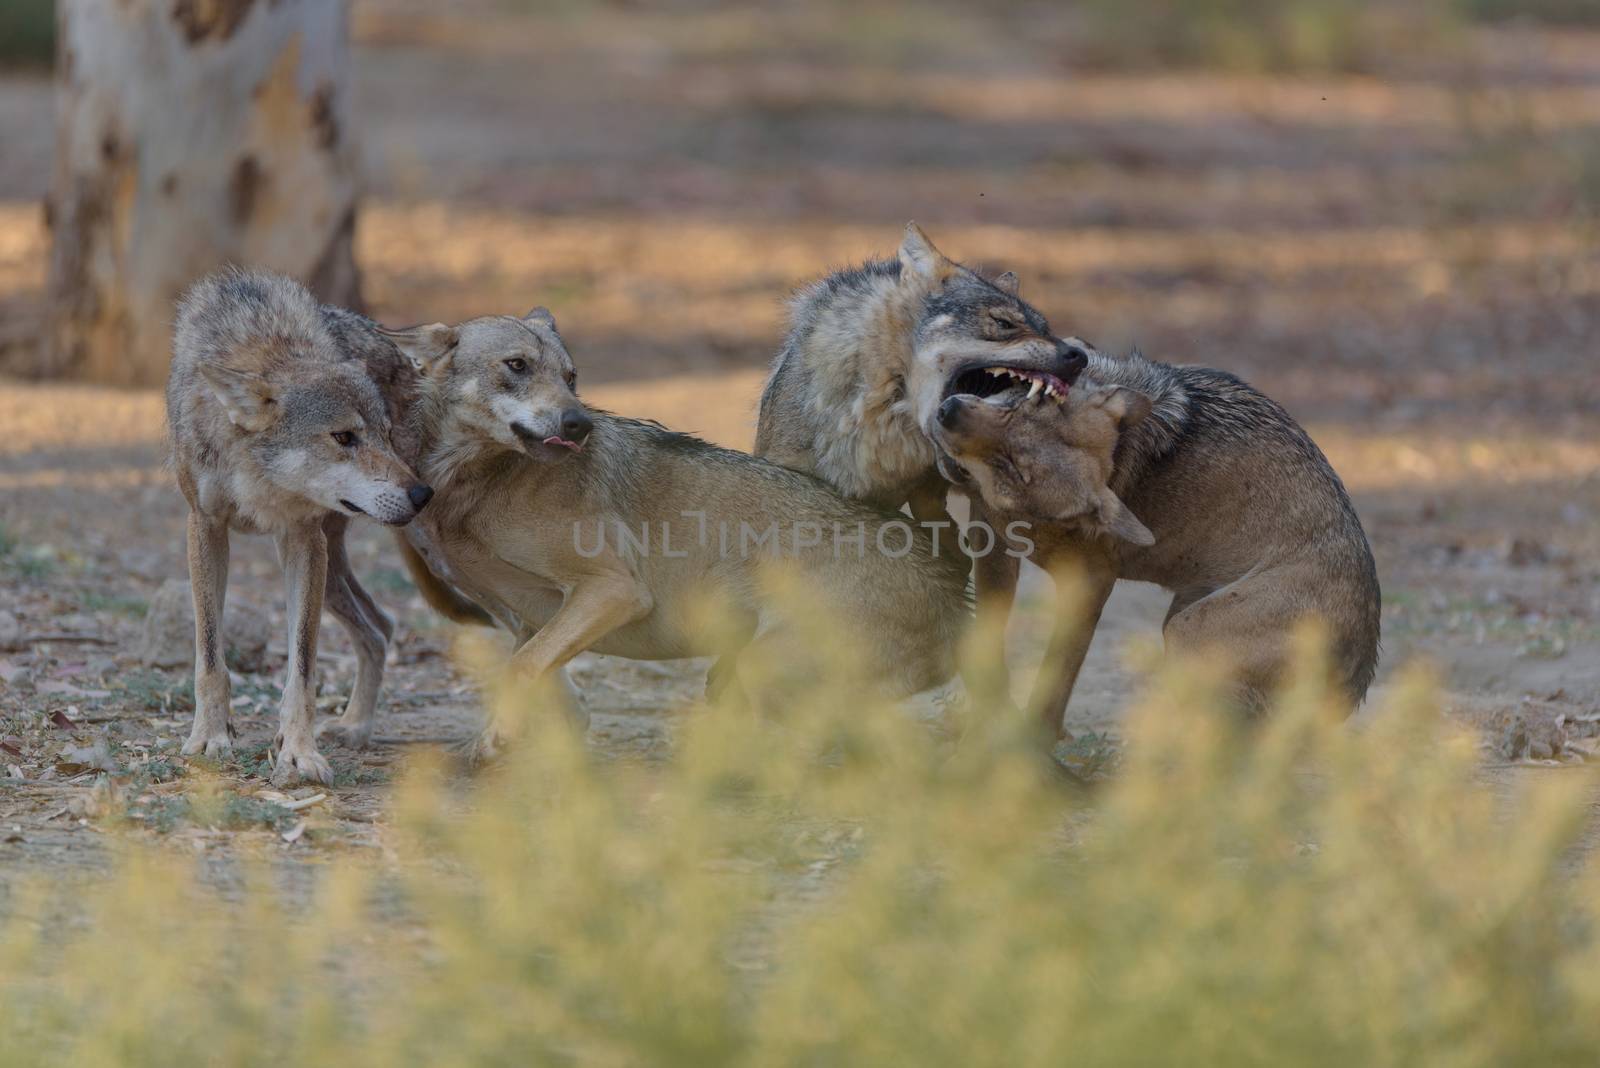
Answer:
[(191, 133)]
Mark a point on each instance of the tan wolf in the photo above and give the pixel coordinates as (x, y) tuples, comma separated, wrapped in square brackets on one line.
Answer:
[(583, 530), (1185, 477), (281, 415)]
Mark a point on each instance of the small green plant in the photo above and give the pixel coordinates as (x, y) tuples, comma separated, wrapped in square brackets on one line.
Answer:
[(156, 691), (241, 813), (254, 759), (159, 813), (1089, 754), (132, 607)]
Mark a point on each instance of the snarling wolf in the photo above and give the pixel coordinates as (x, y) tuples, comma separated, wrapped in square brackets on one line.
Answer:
[(869, 355), (580, 530), (1185, 477), (281, 415)]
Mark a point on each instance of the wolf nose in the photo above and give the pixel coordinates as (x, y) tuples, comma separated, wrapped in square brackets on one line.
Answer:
[(1073, 356), (949, 411), (419, 495), (576, 424)]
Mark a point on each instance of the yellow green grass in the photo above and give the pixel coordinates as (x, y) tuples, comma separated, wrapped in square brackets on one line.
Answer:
[(829, 882)]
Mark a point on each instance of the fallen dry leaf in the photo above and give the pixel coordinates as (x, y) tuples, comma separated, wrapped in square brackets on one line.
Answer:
[(60, 719), (76, 759), (12, 746)]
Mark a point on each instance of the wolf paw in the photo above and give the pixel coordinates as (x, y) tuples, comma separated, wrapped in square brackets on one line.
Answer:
[(487, 746), (214, 742), (300, 762), (347, 734)]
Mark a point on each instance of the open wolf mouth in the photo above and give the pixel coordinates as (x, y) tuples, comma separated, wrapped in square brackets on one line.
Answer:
[(989, 382)]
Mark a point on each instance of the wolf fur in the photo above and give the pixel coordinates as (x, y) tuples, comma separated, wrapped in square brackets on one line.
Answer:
[(1185, 477), (526, 477), (280, 415), (858, 378)]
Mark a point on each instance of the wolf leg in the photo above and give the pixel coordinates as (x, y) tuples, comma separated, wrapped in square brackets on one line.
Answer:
[(1078, 608), (994, 579), (303, 551), (927, 504), (208, 579), (445, 598), (592, 610), (370, 629), (1247, 624)]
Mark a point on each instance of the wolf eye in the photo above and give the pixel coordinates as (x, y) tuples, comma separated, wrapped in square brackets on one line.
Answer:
[(572, 379), (517, 364), (344, 437), (1006, 325)]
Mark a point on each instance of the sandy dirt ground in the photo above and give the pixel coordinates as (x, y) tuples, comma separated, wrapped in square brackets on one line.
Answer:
[(1406, 260)]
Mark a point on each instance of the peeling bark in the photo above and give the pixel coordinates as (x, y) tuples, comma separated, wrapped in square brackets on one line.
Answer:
[(192, 133)]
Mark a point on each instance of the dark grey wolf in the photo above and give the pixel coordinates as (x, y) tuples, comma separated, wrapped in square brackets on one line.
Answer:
[(870, 349), (1182, 476), (582, 530), (281, 415)]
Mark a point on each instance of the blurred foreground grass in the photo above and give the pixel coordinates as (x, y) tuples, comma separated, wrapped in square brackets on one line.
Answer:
[(839, 884)]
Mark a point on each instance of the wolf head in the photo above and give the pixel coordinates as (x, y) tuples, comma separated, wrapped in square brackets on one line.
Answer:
[(320, 431), (1044, 458), (975, 335), (503, 381)]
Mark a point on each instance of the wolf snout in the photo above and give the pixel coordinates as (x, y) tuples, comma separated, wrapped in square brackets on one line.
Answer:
[(1073, 356), (419, 496), (950, 412), (576, 424)]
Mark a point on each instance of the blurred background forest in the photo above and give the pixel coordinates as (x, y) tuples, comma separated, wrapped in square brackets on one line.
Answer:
[(1382, 214)]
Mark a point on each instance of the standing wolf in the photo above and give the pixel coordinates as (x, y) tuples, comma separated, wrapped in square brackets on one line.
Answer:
[(861, 373), (280, 413)]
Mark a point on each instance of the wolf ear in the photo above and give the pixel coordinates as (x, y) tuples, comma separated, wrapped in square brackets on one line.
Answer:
[(248, 398), (427, 347), (542, 317), (1116, 520), (917, 255), (1126, 406), (1007, 283)]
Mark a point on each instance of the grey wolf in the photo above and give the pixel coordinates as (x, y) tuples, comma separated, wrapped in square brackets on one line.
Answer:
[(580, 530), (1185, 477), (281, 416), (854, 388)]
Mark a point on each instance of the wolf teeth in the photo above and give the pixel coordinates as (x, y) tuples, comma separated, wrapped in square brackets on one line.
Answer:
[(1033, 390)]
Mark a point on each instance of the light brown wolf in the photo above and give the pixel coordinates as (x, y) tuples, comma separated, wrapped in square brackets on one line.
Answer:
[(580, 530), (281, 421), (1181, 476)]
